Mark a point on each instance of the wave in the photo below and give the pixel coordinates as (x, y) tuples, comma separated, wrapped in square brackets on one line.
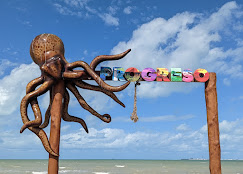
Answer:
[(119, 166), (73, 171)]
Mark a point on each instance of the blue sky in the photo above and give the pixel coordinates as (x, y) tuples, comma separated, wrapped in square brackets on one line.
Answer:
[(172, 125)]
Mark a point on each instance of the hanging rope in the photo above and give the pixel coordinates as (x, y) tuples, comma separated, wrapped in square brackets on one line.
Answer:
[(134, 116)]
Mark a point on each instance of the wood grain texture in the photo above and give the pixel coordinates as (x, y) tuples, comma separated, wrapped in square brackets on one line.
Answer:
[(213, 124), (56, 114)]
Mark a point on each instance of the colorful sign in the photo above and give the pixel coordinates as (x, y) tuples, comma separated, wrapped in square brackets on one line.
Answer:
[(149, 74)]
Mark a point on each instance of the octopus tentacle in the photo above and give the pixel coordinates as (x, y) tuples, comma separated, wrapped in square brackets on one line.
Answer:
[(32, 96), (85, 85), (92, 73), (69, 118), (73, 74), (102, 58), (47, 118), (47, 114), (33, 84), (34, 104), (106, 117), (44, 139), (23, 110)]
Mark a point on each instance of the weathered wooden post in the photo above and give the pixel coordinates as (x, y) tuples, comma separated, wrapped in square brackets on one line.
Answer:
[(56, 115), (213, 124)]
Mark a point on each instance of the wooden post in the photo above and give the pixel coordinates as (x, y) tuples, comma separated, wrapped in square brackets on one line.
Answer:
[(213, 124), (56, 114)]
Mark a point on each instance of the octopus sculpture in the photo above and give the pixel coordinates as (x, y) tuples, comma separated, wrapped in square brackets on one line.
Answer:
[(47, 51)]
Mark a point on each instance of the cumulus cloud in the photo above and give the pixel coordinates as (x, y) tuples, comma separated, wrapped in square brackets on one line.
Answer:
[(12, 87), (12, 140), (184, 139), (186, 40), (231, 134)]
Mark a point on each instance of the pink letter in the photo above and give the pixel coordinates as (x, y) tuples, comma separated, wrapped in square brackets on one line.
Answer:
[(187, 75)]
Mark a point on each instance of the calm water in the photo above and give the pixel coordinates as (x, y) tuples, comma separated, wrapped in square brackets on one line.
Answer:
[(118, 167)]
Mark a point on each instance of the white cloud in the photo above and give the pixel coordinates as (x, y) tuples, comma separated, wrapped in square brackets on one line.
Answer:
[(226, 81), (165, 118), (112, 9), (4, 65), (27, 23), (12, 139), (189, 141), (82, 9), (184, 140), (231, 134), (12, 87), (65, 128), (106, 138), (76, 3), (109, 19), (227, 126), (182, 127), (127, 10), (187, 40), (64, 10)]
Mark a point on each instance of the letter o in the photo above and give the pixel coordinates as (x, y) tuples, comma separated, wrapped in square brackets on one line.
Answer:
[(132, 74), (201, 75)]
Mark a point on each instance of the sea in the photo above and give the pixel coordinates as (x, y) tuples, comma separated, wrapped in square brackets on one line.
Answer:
[(119, 166)]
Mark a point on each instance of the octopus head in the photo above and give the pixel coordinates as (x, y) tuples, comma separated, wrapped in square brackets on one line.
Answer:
[(44, 47)]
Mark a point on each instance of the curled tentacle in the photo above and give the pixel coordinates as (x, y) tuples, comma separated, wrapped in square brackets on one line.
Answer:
[(47, 114), (44, 139), (23, 110), (85, 85), (34, 104), (30, 97), (92, 73), (102, 58), (106, 117), (69, 118)]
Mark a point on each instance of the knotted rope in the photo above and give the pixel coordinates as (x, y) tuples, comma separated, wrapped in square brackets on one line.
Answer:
[(134, 116)]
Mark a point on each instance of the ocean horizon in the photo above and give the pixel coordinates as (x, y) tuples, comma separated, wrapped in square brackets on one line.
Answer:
[(118, 166)]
